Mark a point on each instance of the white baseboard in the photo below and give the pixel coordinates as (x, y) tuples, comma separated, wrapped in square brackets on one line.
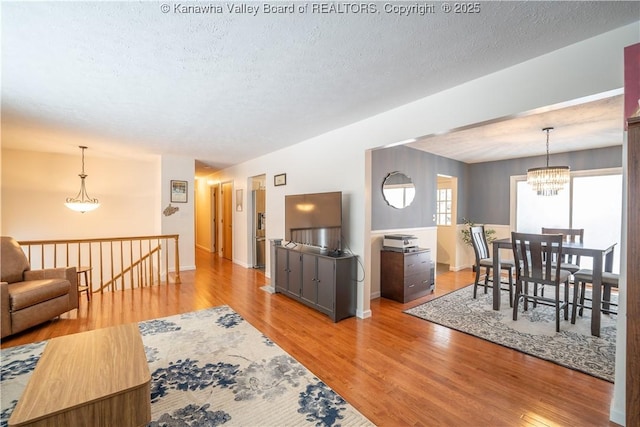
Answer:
[(243, 264), (183, 268), (363, 314), (617, 417), (460, 267), (269, 289)]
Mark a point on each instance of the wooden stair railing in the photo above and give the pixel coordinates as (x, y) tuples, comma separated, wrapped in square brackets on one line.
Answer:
[(142, 277), (115, 263)]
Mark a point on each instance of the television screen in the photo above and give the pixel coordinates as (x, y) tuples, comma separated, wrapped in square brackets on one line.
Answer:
[(314, 219)]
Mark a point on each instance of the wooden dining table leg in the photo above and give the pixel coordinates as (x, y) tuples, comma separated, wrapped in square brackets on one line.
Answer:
[(496, 276), (596, 297)]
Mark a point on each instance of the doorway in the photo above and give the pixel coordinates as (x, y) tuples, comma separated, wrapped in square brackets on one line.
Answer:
[(258, 211), (446, 221)]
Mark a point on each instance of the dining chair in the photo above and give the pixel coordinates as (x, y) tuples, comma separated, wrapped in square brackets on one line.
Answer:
[(584, 276), (569, 235), (481, 250), (533, 254)]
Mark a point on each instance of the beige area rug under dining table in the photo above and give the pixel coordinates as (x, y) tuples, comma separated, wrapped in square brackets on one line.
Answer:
[(533, 333)]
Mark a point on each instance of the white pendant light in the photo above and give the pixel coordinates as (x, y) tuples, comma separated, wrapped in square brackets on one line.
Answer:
[(547, 181), (82, 202)]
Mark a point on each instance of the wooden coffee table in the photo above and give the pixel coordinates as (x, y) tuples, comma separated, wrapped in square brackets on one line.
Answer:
[(96, 378)]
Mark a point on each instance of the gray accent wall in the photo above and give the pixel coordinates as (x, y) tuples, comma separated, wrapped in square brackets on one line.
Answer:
[(489, 186), (423, 169), (419, 168), (483, 188)]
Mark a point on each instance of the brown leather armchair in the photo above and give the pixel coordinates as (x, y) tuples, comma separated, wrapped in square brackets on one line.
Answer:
[(30, 297)]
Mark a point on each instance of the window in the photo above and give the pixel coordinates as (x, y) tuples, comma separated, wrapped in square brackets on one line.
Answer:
[(443, 206), (593, 201), (534, 212)]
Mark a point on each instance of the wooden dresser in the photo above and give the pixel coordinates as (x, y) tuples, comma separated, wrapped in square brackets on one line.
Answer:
[(405, 276)]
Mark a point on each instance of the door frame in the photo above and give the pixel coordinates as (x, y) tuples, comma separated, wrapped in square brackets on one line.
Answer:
[(226, 228), (215, 194), (255, 182), (446, 236)]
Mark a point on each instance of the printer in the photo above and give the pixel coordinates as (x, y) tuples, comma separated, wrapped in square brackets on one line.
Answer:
[(400, 243)]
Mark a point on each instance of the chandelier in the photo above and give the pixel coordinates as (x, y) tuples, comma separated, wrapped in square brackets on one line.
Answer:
[(82, 202), (547, 181)]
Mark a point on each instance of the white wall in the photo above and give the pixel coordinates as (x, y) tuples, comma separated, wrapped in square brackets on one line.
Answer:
[(618, 403), (446, 245), (35, 186), (465, 257), (182, 222), (427, 238), (242, 230), (132, 195)]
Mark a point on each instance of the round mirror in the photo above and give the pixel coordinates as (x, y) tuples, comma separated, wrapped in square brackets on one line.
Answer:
[(398, 190)]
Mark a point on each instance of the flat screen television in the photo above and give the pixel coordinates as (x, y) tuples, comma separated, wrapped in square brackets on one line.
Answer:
[(314, 219)]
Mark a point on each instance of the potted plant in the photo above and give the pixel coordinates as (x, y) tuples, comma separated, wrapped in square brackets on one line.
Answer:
[(489, 233)]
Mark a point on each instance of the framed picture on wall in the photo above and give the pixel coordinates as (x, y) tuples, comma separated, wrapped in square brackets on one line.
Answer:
[(179, 191), (280, 179), (239, 200)]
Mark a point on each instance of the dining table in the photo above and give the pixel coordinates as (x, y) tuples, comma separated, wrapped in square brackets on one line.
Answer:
[(601, 253)]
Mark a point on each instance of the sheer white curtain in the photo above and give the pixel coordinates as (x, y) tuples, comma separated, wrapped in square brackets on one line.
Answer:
[(534, 212), (597, 207)]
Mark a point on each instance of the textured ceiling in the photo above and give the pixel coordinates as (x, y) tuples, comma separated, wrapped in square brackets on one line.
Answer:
[(227, 87), (590, 124)]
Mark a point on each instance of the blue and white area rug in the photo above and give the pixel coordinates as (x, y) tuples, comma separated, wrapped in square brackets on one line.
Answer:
[(533, 333), (211, 368)]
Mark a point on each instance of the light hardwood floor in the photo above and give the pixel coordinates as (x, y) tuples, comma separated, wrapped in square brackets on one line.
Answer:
[(394, 368)]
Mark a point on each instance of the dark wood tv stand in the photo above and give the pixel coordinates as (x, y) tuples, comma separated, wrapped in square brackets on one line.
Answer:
[(322, 282)]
